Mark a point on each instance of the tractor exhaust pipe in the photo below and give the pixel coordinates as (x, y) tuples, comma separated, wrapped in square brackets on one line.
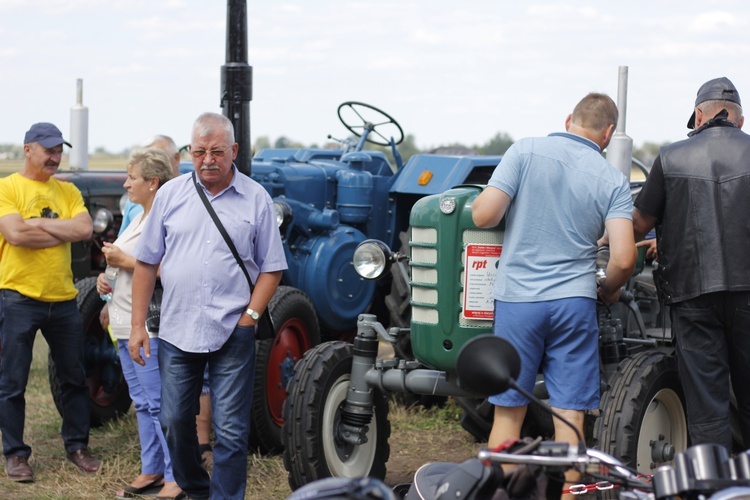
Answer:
[(620, 149), (79, 131), (237, 82)]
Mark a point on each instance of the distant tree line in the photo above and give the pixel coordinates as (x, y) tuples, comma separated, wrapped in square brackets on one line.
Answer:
[(11, 152), (496, 145)]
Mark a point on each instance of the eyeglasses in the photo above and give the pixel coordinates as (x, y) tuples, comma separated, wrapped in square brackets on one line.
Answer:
[(216, 153)]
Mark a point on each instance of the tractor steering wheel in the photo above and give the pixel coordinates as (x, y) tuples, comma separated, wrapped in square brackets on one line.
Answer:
[(374, 122)]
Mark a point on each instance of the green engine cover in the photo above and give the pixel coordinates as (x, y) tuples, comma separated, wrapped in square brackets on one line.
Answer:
[(450, 303)]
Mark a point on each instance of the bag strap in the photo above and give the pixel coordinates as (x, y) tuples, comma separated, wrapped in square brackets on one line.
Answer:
[(231, 246), (223, 232)]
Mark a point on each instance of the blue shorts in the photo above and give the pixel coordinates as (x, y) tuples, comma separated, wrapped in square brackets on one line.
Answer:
[(562, 338)]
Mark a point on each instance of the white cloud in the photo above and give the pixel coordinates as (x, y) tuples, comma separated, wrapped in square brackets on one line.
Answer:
[(427, 37), (389, 64), (122, 70), (449, 71), (714, 22)]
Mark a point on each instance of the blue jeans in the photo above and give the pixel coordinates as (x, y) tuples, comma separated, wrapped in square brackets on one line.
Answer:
[(231, 372), (144, 384), (60, 323)]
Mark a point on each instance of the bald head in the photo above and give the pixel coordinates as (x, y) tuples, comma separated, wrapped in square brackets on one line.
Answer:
[(166, 144)]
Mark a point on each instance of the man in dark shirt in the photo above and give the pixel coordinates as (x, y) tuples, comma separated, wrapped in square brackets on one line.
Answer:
[(697, 197)]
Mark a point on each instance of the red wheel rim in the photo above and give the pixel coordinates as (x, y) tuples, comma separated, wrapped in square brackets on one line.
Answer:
[(291, 342)]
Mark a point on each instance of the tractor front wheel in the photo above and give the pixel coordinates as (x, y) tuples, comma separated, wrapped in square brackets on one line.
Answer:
[(314, 448)]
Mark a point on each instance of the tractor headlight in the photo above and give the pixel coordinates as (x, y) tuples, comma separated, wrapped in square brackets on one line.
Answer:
[(283, 214), (103, 220), (372, 259), (123, 202)]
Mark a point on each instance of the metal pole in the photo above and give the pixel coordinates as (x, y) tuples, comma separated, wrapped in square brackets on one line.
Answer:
[(237, 82), (79, 131), (620, 149)]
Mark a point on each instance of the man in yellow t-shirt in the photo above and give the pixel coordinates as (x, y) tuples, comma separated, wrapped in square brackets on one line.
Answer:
[(39, 217)]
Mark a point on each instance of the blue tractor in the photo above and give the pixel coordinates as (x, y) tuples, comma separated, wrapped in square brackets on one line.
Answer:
[(327, 202)]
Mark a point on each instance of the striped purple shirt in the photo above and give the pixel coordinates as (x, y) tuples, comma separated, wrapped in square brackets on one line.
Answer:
[(205, 290)]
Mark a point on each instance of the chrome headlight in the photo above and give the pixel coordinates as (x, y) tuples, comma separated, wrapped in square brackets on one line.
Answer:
[(123, 201), (372, 259), (103, 220), (283, 214)]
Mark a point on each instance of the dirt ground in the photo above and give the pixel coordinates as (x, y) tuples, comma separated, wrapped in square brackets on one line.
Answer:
[(417, 437), (410, 449)]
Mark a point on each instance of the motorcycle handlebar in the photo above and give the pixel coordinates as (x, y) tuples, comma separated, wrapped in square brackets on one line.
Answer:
[(554, 454)]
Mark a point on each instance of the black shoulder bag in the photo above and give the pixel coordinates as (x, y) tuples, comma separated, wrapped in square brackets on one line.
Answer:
[(269, 331), (153, 316)]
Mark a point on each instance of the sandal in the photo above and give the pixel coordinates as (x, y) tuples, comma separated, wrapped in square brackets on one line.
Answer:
[(135, 491), (179, 496), (170, 486)]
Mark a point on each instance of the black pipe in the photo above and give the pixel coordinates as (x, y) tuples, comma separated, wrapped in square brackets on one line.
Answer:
[(237, 82)]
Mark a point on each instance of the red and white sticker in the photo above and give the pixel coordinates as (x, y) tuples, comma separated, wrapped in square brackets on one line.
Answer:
[(479, 277)]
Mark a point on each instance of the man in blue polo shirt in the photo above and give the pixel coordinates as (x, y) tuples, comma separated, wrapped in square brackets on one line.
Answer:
[(557, 194)]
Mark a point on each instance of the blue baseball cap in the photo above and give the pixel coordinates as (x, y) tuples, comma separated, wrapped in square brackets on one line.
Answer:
[(45, 134)]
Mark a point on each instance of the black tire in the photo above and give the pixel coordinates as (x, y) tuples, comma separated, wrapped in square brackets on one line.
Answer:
[(398, 301), (398, 304), (108, 393), (478, 415), (297, 330), (642, 414), (312, 414)]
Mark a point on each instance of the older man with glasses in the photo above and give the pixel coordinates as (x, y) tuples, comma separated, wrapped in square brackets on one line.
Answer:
[(209, 313)]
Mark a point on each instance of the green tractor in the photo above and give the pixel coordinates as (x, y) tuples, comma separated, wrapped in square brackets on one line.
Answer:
[(336, 413)]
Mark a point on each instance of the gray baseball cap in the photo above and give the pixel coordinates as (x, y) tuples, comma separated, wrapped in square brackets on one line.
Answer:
[(718, 89)]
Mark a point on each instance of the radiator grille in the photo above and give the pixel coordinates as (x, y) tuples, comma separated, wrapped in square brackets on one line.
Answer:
[(482, 237), (424, 275), (425, 235), (424, 315), (424, 255)]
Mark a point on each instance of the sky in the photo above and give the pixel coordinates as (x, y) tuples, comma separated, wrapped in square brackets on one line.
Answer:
[(448, 71)]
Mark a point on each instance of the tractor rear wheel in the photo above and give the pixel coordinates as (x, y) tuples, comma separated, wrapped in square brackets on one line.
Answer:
[(643, 420), (312, 413), (297, 330), (108, 391)]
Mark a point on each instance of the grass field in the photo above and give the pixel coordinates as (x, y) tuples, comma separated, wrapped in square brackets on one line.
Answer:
[(418, 436)]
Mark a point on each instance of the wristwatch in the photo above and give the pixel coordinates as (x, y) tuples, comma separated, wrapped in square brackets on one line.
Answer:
[(253, 314)]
